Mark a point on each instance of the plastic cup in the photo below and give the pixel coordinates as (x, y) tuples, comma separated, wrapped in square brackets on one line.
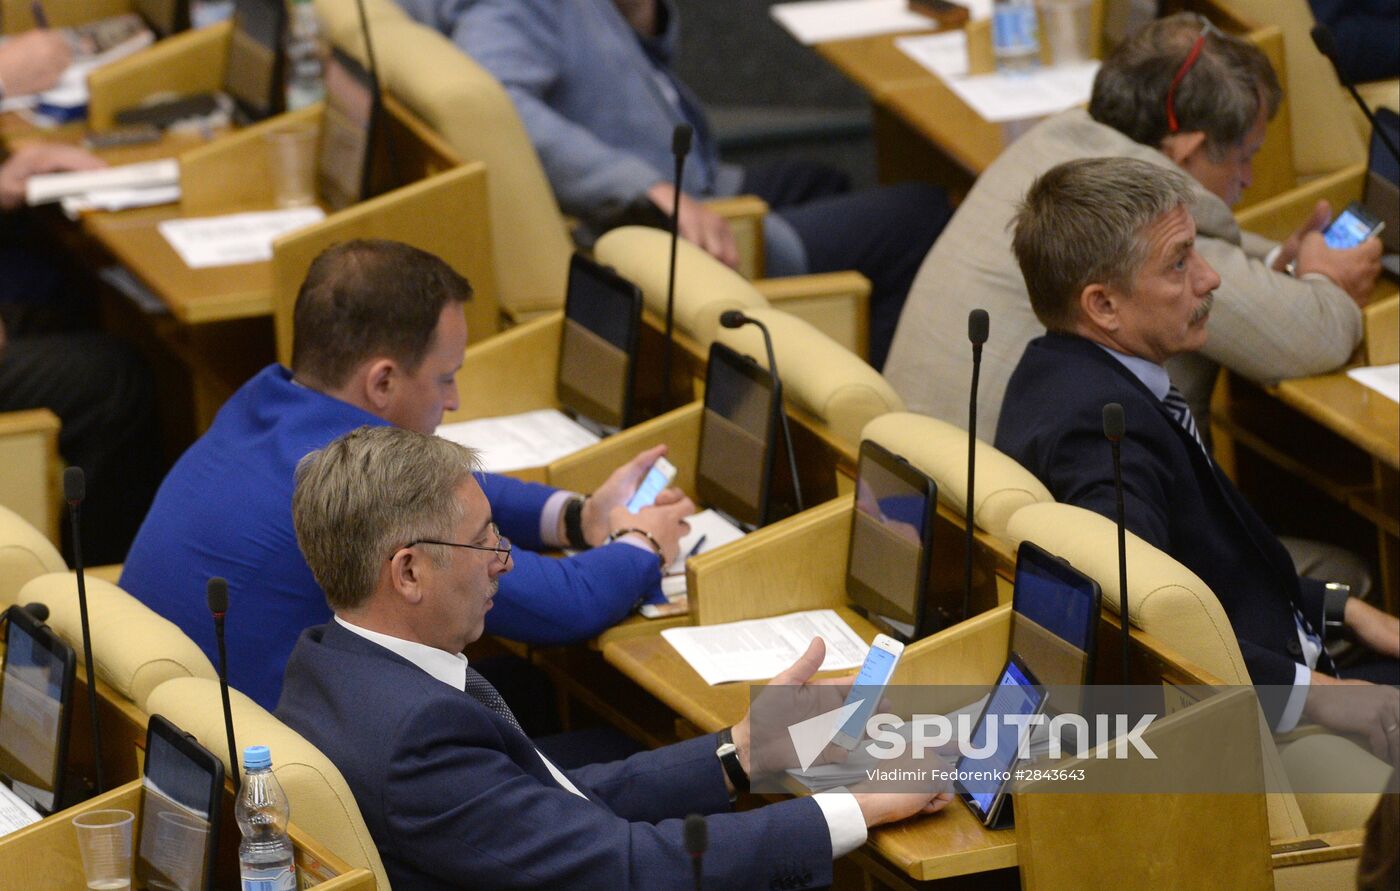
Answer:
[(179, 849), (292, 161), (1064, 25), (104, 840)]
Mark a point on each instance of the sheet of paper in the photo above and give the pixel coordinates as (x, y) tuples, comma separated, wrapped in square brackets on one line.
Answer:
[(1001, 97), (514, 442), (120, 199), (1384, 379), (43, 188), (758, 649), (204, 242), (708, 525), (817, 21)]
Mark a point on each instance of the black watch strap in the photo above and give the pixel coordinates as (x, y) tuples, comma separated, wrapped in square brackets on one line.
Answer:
[(1334, 606), (728, 755), (573, 523)]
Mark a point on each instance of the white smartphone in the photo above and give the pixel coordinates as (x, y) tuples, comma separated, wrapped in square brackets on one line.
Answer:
[(657, 479), (1351, 227), (868, 688)]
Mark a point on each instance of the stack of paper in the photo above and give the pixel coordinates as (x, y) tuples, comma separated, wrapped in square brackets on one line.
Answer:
[(758, 649), (130, 185), (515, 442), (236, 238), (1001, 97), (1384, 379)]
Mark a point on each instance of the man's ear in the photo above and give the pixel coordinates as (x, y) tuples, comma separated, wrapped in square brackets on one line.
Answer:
[(1181, 148), (379, 379), (1098, 307), (405, 575)]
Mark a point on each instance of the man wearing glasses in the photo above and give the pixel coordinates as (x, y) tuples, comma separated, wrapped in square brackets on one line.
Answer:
[(379, 337), (1180, 94)]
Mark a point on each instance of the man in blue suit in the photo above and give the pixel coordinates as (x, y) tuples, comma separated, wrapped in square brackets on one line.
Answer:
[(398, 532), (379, 337), (1107, 250)]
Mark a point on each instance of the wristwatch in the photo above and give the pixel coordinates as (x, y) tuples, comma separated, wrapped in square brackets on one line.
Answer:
[(573, 523), (1334, 606), (728, 755)]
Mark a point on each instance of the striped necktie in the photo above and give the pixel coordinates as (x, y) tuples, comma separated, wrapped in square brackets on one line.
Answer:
[(480, 689), (1176, 406)]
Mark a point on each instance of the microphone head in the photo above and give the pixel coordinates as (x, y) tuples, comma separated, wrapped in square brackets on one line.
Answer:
[(680, 141), (978, 326), (1323, 40), (39, 611), (697, 835), (74, 485), (216, 592), (1113, 424), (733, 318)]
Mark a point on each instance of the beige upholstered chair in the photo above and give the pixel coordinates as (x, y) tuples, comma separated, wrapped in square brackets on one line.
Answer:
[(1171, 603), (24, 554), (322, 804), (819, 375), (133, 649), (940, 450)]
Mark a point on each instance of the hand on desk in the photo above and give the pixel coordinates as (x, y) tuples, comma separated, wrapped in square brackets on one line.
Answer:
[(40, 157), (33, 62), (1357, 708), (698, 224), (1354, 270)]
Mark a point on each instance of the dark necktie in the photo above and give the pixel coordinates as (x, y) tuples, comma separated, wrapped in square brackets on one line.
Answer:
[(1176, 406), (480, 689)]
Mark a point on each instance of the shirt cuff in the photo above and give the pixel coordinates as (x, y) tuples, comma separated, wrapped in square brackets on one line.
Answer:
[(637, 541), (844, 820), (549, 517), (1272, 255), (1293, 708)]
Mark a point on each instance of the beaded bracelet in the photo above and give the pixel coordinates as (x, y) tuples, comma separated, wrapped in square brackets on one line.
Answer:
[(655, 545)]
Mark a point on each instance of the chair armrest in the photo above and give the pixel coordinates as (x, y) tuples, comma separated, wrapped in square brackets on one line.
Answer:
[(29, 452), (835, 303), (192, 62), (745, 215), (1279, 216)]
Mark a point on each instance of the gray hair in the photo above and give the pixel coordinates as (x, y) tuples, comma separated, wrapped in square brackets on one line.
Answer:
[(369, 492), (1080, 224), (1220, 95)]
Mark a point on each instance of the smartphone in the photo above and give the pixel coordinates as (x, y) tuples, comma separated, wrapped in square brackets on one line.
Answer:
[(657, 479), (869, 687), (1351, 227)]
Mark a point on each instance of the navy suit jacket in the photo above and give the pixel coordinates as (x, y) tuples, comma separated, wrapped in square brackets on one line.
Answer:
[(1174, 497), (455, 797)]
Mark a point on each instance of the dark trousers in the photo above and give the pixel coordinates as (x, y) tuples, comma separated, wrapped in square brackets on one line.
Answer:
[(882, 233)]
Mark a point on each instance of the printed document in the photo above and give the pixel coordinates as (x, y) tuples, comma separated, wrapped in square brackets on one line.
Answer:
[(236, 238), (515, 442), (758, 649), (1384, 379)]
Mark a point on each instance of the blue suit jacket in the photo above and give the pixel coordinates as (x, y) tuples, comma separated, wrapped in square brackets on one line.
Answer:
[(225, 509), (1174, 497), (454, 797)]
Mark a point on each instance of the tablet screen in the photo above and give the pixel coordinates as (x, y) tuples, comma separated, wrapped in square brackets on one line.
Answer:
[(995, 740)]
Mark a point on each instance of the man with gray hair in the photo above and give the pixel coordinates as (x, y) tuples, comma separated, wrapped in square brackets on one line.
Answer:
[(1178, 95), (400, 536), (1110, 255)]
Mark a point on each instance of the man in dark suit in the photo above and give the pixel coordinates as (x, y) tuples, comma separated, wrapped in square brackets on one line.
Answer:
[(400, 537), (1107, 248)]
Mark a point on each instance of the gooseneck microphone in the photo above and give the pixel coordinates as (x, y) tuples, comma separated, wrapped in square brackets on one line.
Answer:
[(1113, 429), (736, 319), (216, 593), (680, 147), (978, 328), (1327, 45), (697, 839), (74, 491)]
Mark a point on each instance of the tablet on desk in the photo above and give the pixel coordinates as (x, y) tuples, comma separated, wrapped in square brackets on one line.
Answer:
[(1017, 692), (179, 811), (36, 696), (598, 348), (738, 433)]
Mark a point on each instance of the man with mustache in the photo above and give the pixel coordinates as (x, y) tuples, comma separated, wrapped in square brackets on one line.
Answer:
[(1108, 250)]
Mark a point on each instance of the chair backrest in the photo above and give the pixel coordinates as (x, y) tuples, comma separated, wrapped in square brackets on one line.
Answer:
[(939, 449), (133, 649), (705, 287), (322, 803), (818, 374), (24, 554), (462, 102)]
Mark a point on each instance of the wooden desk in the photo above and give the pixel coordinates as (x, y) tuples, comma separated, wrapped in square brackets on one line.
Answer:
[(1349, 409)]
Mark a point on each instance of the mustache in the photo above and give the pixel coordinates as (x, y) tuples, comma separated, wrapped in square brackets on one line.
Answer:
[(1204, 309)]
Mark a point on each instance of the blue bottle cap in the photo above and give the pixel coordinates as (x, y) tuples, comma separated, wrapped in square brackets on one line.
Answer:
[(257, 758)]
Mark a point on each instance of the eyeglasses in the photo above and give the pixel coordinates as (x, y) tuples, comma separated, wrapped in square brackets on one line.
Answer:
[(502, 547), (1187, 64)]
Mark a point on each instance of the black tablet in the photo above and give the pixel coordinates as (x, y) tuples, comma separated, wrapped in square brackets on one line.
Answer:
[(1054, 617), (983, 782), (179, 811), (738, 432), (254, 74), (348, 131), (891, 541), (598, 349), (36, 699)]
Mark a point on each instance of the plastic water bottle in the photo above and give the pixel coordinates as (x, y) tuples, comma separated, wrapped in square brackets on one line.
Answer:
[(265, 861), (1015, 36), (305, 81)]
